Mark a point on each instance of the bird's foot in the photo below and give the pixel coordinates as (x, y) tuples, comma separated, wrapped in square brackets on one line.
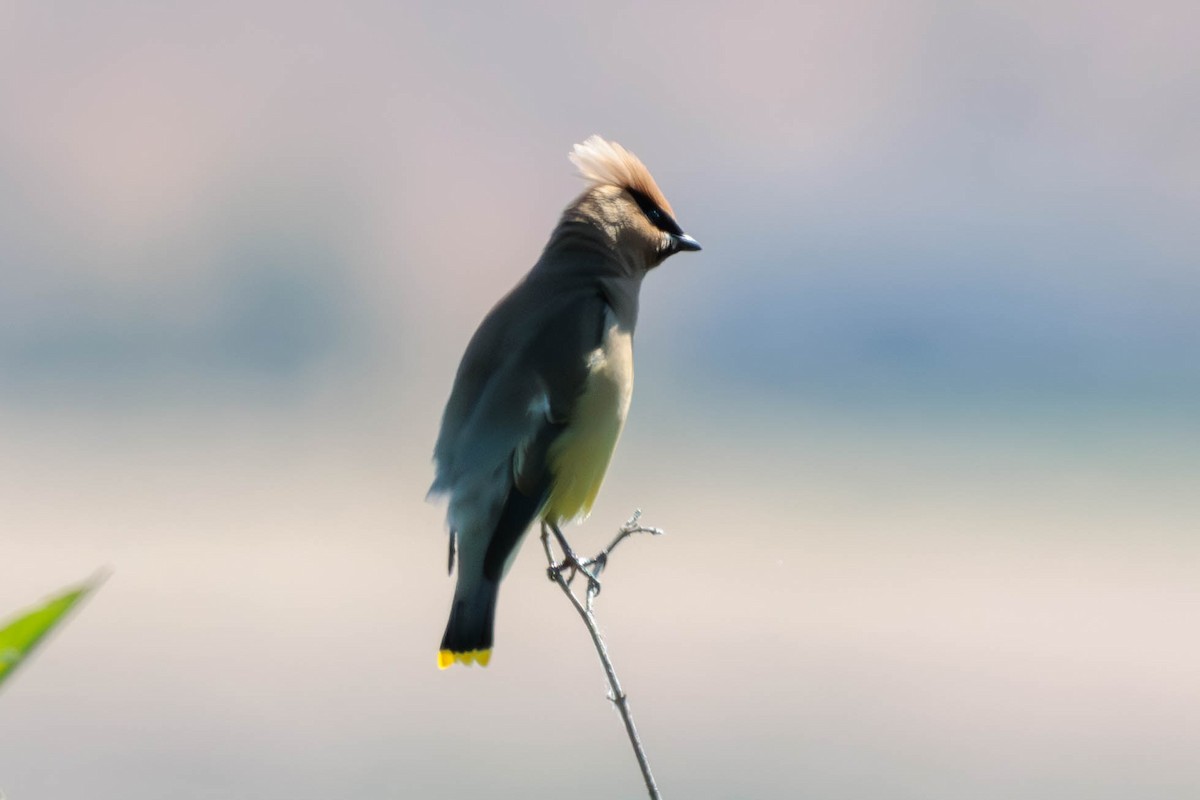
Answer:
[(573, 566)]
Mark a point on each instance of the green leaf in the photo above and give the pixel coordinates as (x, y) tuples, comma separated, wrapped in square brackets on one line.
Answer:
[(23, 633)]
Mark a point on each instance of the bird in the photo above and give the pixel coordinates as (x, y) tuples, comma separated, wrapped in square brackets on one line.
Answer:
[(542, 391)]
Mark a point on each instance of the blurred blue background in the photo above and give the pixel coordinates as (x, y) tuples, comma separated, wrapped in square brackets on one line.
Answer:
[(921, 419)]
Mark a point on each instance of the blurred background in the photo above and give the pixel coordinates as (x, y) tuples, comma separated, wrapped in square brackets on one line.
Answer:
[(921, 420)]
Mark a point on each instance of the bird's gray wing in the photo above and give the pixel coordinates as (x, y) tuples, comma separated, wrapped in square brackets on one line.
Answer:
[(518, 379)]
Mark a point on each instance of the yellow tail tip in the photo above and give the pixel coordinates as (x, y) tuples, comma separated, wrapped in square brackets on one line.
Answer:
[(446, 658)]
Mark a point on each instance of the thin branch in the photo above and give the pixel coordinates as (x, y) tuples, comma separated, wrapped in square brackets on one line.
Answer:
[(574, 565)]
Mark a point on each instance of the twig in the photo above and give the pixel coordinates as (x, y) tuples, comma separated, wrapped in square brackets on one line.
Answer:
[(573, 564)]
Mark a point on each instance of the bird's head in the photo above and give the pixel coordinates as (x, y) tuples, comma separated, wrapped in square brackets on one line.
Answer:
[(626, 203)]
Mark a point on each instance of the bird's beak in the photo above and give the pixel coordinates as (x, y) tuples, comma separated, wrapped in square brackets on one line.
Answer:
[(681, 242)]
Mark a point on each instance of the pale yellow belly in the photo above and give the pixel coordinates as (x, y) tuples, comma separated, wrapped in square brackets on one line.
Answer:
[(579, 457)]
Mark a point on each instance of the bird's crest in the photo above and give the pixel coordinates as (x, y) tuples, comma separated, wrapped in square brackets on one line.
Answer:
[(607, 163)]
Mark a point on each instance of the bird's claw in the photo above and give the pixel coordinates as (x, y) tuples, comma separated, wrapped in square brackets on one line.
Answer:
[(590, 567), (597, 564), (574, 565)]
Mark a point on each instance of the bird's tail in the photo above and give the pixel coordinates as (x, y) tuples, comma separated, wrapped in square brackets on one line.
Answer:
[(468, 637)]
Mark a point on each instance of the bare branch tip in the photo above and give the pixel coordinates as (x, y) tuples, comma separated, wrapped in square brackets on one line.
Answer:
[(585, 607)]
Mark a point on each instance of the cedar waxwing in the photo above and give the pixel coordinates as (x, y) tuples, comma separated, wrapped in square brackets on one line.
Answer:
[(543, 388)]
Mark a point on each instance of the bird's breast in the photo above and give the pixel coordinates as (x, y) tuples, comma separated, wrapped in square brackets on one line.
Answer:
[(580, 456)]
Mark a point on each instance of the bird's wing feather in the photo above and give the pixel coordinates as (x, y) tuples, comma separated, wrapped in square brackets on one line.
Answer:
[(519, 378)]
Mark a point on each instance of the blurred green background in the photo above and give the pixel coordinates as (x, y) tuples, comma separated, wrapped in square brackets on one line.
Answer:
[(921, 420)]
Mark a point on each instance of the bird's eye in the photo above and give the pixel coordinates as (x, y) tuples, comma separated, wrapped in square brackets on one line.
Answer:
[(658, 218)]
